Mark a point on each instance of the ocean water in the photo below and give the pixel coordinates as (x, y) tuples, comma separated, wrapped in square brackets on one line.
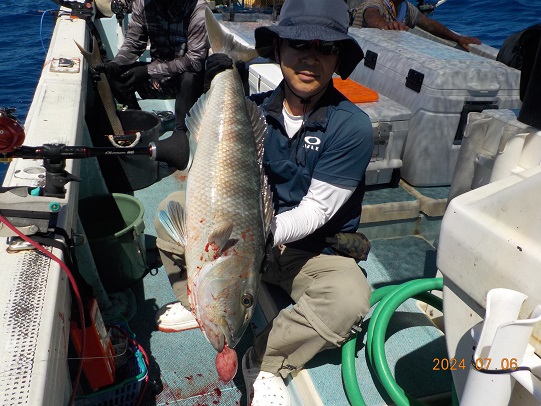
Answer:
[(27, 25), (24, 24)]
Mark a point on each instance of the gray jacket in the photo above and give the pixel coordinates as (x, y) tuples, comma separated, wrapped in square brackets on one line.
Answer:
[(178, 38)]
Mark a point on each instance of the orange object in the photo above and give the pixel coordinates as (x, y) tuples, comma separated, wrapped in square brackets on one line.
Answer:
[(355, 92), (98, 363)]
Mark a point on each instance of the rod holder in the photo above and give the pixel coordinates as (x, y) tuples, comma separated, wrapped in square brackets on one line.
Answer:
[(502, 350)]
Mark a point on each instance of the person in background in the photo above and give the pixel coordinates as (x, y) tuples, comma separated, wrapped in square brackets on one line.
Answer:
[(317, 148), (402, 15), (178, 49)]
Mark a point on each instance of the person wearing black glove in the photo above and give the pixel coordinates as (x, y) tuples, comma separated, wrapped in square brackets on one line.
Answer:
[(178, 54), (217, 63), (133, 78), (110, 69)]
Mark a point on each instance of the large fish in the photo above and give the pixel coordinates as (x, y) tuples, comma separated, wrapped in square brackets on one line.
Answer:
[(226, 221)]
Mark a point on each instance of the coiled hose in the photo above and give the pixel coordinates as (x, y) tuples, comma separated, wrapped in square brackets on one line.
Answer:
[(389, 298)]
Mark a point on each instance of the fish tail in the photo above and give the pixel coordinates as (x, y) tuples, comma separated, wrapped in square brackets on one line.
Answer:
[(222, 41)]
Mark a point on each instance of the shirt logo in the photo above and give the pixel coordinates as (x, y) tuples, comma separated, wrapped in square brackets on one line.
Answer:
[(312, 142)]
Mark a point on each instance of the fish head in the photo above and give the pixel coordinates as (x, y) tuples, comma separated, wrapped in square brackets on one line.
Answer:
[(224, 298)]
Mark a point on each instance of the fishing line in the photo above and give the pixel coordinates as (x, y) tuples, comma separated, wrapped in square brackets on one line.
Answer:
[(41, 28)]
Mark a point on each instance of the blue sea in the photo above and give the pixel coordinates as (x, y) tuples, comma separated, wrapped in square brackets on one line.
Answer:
[(27, 25)]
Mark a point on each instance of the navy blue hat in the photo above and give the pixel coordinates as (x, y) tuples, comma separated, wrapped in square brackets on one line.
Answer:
[(324, 20)]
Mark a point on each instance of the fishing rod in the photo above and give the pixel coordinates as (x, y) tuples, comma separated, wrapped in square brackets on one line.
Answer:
[(62, 151), (54, 155)]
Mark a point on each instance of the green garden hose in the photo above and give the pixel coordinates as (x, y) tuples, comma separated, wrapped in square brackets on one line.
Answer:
[(389, 298)]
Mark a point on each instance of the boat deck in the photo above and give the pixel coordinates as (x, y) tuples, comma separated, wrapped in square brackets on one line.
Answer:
[(402, 223)]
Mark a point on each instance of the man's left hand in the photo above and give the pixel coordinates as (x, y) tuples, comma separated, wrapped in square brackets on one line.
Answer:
[(134, 77)]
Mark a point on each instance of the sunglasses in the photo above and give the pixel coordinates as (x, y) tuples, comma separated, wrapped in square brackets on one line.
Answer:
[(323, 47)]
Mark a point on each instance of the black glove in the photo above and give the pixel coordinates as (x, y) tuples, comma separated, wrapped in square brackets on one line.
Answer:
[(215, 64), (133, 78), (110, 69)]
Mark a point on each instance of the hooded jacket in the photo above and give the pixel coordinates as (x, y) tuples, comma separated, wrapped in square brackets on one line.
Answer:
[(177, 35)]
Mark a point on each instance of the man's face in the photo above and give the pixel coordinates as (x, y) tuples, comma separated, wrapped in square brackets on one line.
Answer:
[(307, 66)]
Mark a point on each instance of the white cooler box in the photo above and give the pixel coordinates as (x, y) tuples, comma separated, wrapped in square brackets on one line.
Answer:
[(389, 123), (263, 77), (440, 85)]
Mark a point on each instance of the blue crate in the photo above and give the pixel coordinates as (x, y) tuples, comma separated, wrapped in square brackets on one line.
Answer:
[(130, 378)]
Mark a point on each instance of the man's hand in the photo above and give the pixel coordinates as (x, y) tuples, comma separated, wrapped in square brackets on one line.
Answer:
[(373, 19), (215, 64), (395, 26), (134, 77), (110, 69), (464, 42)]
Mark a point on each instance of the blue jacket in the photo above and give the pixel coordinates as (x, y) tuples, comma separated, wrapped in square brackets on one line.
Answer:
[(334, 146)]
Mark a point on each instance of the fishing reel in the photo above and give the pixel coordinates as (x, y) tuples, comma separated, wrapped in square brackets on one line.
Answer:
[(114, 7), (121, 7), (11, 131), (427, 7)]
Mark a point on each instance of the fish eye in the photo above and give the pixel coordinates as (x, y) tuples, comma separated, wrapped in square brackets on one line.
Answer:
[(247, 300)]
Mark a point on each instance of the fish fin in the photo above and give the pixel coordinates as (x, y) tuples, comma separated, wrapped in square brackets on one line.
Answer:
[(267, 258), (92, 58), (267, 206), (173, 219), (220, 236), (87, 55), (259, 127), (224, 42), (195, 117), (229, 244)]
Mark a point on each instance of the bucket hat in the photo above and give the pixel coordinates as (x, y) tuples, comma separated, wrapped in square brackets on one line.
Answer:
[(307, 20)]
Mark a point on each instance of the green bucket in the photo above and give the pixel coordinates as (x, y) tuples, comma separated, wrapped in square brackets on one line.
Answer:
[(115, 229)]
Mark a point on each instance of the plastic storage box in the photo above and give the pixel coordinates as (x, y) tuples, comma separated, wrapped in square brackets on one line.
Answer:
[(440, 85), (389, 123)]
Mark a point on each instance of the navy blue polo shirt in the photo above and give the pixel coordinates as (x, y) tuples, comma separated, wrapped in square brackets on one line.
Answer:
[(334, 146)]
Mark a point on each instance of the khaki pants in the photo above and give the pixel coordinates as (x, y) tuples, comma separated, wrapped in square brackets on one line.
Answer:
[(331, 294)]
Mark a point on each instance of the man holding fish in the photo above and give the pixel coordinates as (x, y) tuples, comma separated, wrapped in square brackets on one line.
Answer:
[(317, 146)]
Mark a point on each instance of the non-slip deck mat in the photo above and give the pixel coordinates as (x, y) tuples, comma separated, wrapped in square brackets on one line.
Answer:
[(412, 342)]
